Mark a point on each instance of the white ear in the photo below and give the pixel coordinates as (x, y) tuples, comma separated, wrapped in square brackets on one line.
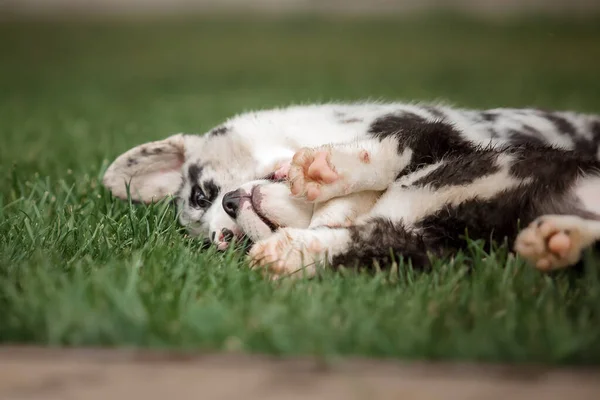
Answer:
[(152, 170)]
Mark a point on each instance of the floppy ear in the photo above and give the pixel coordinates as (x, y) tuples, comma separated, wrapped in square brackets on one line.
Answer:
[(152, 170)]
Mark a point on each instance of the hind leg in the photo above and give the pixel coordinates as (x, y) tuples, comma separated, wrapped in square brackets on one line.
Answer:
[(556, 241)]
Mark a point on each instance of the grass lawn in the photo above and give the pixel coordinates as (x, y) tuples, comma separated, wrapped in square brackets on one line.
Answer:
[(78, 267)]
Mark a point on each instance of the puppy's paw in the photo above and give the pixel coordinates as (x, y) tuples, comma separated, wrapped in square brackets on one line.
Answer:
[(293, 252), (322, 173), (553, 241)]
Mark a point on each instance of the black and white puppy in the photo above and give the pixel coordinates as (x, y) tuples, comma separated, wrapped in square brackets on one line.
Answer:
[(200, 170)]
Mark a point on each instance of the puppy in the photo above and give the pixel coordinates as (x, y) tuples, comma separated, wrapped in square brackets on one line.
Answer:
[(199, 170)]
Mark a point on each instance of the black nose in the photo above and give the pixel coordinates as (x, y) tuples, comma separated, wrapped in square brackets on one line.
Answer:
[(231, 203)]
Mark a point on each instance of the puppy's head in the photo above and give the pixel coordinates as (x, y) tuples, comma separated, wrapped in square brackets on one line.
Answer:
[(261, 207), (197, 170)]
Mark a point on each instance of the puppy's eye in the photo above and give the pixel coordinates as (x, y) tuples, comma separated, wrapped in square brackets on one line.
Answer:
[(198, 198)]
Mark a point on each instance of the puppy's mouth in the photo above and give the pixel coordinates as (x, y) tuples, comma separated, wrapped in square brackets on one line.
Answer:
[(255, 200)]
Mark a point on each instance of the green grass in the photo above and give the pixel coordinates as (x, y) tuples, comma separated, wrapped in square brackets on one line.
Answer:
[(80, 268)]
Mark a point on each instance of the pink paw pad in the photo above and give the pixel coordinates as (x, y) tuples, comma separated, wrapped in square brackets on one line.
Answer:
[(560, 244), (320, 170)]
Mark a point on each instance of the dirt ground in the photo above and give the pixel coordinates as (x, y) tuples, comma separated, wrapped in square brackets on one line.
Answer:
[(30, 373)]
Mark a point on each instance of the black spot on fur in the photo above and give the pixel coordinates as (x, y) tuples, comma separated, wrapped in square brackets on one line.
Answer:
[(461, 171), (218, 131), (194, 172), (379, 240), (157, 150), (489, 116), (145, 152), (131, 162)]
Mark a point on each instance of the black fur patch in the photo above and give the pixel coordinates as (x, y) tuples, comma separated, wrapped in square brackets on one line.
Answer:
[(429, 141), (194, 172), (432, 142), (520, 138), (219, 130), (495, 219), (551, 168), (131, 162), (380, 240), (461, 171), (394, 124), (147, 152), (489, 116)]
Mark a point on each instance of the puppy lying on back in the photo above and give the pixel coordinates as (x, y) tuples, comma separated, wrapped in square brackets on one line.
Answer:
[(416, 193)]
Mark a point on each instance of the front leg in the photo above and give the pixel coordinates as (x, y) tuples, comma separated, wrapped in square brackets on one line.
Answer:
[(298, 252), (322, 173)]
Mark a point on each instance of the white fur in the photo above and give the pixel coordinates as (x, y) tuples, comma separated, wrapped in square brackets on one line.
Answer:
[(587, 191)]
